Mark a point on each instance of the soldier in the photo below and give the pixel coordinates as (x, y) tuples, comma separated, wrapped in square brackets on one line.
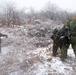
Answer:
[(61, 39), (56, 42), (55, 47), (65, 39), (72, 26)]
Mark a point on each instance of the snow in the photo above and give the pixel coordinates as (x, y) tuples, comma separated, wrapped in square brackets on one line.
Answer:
[(60, 67), (71, 52), (19, 56), (4, 50)]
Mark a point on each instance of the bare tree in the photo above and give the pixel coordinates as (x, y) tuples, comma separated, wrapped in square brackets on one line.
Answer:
[(63, 15), (11, 15), (9, 9), (50, 10)]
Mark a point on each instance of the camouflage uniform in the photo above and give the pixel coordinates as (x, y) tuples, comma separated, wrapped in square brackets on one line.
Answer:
[(72, 26), (56, 42), (55, 47), (60, 39), (65, 39)]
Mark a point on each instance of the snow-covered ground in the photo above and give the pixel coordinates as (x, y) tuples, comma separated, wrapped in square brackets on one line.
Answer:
[(20, 54)]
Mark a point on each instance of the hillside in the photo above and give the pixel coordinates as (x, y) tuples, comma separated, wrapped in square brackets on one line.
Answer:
[(28, 51)]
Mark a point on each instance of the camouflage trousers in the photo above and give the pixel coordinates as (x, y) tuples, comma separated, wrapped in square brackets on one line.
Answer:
[(55, 48), (64, 52)]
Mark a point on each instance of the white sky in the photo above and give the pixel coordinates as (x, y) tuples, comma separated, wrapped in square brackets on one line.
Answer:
[(38, 4)]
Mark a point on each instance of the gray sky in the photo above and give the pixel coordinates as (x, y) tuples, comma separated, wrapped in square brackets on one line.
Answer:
[(38, 4)]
